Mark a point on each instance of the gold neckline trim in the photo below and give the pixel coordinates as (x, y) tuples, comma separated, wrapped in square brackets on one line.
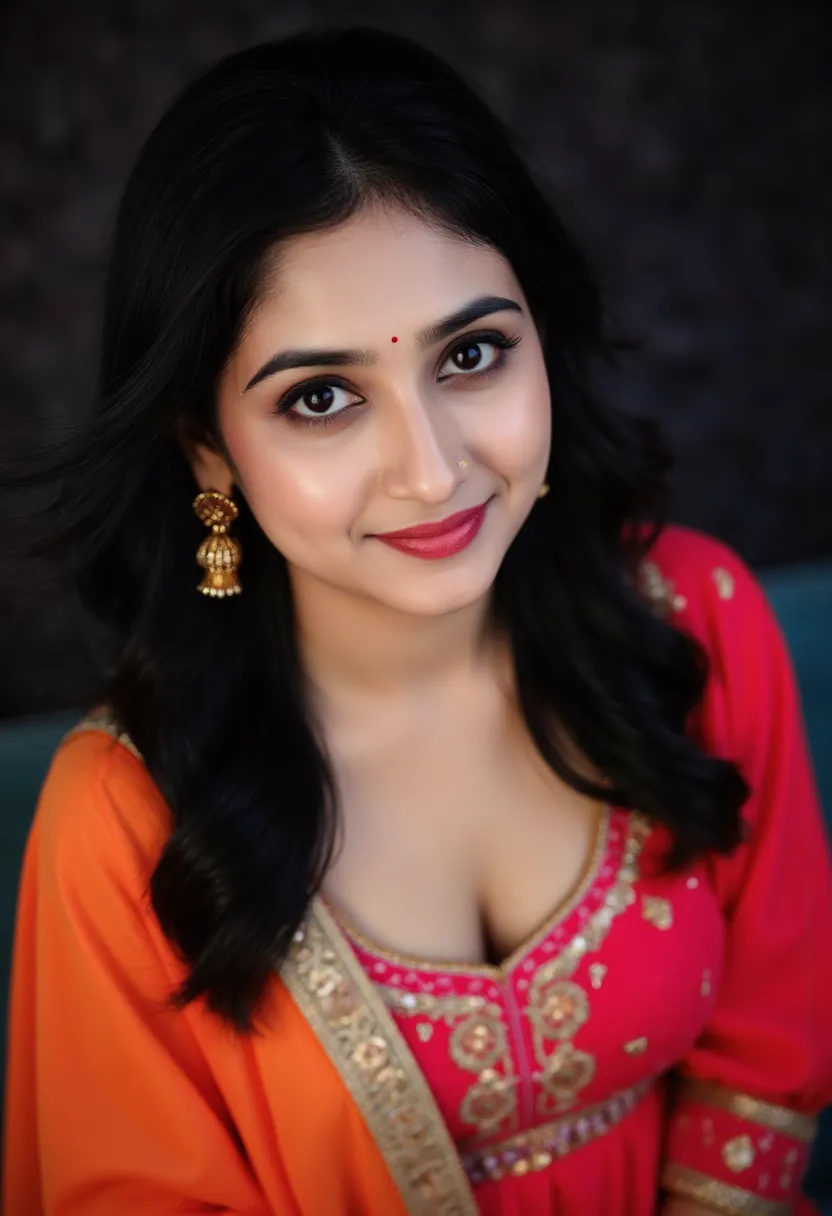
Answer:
[(497, 971)]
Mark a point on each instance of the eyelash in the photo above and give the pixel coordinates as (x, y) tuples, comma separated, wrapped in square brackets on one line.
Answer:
[(501, 341)]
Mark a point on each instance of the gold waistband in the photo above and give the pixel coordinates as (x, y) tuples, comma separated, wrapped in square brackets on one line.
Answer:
[(538, 1147)]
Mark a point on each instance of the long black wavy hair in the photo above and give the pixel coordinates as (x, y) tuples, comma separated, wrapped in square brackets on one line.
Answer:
[(278, 140)]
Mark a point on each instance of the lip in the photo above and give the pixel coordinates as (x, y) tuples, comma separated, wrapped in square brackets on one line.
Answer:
[(439, 528), (437, 540)]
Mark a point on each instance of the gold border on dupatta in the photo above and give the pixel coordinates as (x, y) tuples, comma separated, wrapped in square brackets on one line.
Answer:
[(352, 1023)]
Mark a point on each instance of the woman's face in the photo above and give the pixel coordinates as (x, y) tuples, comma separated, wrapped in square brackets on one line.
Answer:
[(391, 376)]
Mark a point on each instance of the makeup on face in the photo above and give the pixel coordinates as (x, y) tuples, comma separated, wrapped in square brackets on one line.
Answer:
[(348, 443), (435, 541)]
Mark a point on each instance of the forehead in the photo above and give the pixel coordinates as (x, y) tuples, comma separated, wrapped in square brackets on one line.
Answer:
[(382, 270)]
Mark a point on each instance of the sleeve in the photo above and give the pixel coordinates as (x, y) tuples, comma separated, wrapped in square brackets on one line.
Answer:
[(742, 1121), (110, 1104)]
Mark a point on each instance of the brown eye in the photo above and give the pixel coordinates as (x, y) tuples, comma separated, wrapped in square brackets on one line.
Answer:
[(317, 400), (468, 358), (475, 355)]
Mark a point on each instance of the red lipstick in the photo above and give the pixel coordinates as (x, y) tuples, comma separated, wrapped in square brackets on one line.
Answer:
[(438, 540)]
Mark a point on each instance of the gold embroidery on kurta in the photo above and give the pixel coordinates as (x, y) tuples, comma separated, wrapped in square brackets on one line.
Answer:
[(659, 590), (446, 1008), (719, 1196), (557, 1008), (755, 1110), (597, 972), (636, 1047), (738, 1153), (724, 582), (478, 1043), (657, 911), (535, 1149), (567, 1071)]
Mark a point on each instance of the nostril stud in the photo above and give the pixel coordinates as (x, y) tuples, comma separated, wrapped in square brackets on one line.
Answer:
[(462, 462)]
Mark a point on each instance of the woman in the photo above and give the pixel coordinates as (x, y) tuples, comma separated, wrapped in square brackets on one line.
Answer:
[(469, 860)]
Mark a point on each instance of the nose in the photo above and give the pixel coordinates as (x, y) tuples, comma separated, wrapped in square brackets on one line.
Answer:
[(419, 457)]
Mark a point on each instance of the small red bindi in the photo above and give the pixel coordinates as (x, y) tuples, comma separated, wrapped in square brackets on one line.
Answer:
[(394, 339)]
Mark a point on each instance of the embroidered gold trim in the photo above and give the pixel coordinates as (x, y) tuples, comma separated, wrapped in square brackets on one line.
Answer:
[(659, 590), (445, 1008), (536, 1149), (498, 971), (720, 1196), (657, 911), (724, 582), (101, 719), (350, 1020), (755, 1110)]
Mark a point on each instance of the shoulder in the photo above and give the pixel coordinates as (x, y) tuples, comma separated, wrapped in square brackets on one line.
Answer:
[(705, 588), (99, 810), (686, 569)]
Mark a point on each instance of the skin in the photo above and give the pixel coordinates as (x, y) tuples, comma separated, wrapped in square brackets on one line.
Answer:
[(457, 840)]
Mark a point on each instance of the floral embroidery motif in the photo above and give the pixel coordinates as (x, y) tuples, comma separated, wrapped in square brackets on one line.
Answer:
[(557, 1008), (478, 1043), (705, 987), (597, 971), (724, 583), (738, 1154), (490, 1101), (660, 590), (657, 911), (566, 1073), (636, 1047)]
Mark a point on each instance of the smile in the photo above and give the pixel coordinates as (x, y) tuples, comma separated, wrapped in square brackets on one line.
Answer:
[(437, 540)]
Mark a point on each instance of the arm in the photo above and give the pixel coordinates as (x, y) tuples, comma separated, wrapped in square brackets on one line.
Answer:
[(741, 1125), (111, 1106)]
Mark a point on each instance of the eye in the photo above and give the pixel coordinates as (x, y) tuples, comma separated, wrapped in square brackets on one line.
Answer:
[(475, 355), (318, 401)]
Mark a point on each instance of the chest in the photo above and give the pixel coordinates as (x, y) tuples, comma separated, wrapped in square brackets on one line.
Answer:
[(457, 841), (606, 996)]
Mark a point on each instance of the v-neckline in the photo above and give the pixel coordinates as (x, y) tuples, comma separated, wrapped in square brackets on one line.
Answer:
[(497, 972)]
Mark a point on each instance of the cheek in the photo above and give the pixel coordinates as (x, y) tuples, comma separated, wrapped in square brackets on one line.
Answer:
[(296, 495), (515, 434)]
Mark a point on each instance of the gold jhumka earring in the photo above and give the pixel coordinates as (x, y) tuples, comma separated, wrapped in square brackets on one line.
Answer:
[(219, 555)]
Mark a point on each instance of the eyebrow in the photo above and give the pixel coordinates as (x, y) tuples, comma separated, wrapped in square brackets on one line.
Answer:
[(474, 310)]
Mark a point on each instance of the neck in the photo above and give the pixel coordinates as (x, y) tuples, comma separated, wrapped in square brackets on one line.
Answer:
[(350, 645)]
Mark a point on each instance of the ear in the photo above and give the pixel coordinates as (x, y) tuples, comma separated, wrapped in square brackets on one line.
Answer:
[(210, 468)]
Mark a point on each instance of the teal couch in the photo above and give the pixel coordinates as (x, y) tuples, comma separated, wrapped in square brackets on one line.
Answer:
[(802, 598)]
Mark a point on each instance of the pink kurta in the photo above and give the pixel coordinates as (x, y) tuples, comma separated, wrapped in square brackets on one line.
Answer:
[(568, 1044)]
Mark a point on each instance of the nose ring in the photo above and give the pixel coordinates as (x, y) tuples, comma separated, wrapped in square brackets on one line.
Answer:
[(462, 462)]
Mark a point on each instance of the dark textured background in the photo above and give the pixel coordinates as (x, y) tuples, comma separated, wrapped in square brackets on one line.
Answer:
[(689, 144)]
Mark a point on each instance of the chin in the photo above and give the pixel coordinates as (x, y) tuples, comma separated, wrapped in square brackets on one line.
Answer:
[(438, 593)]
